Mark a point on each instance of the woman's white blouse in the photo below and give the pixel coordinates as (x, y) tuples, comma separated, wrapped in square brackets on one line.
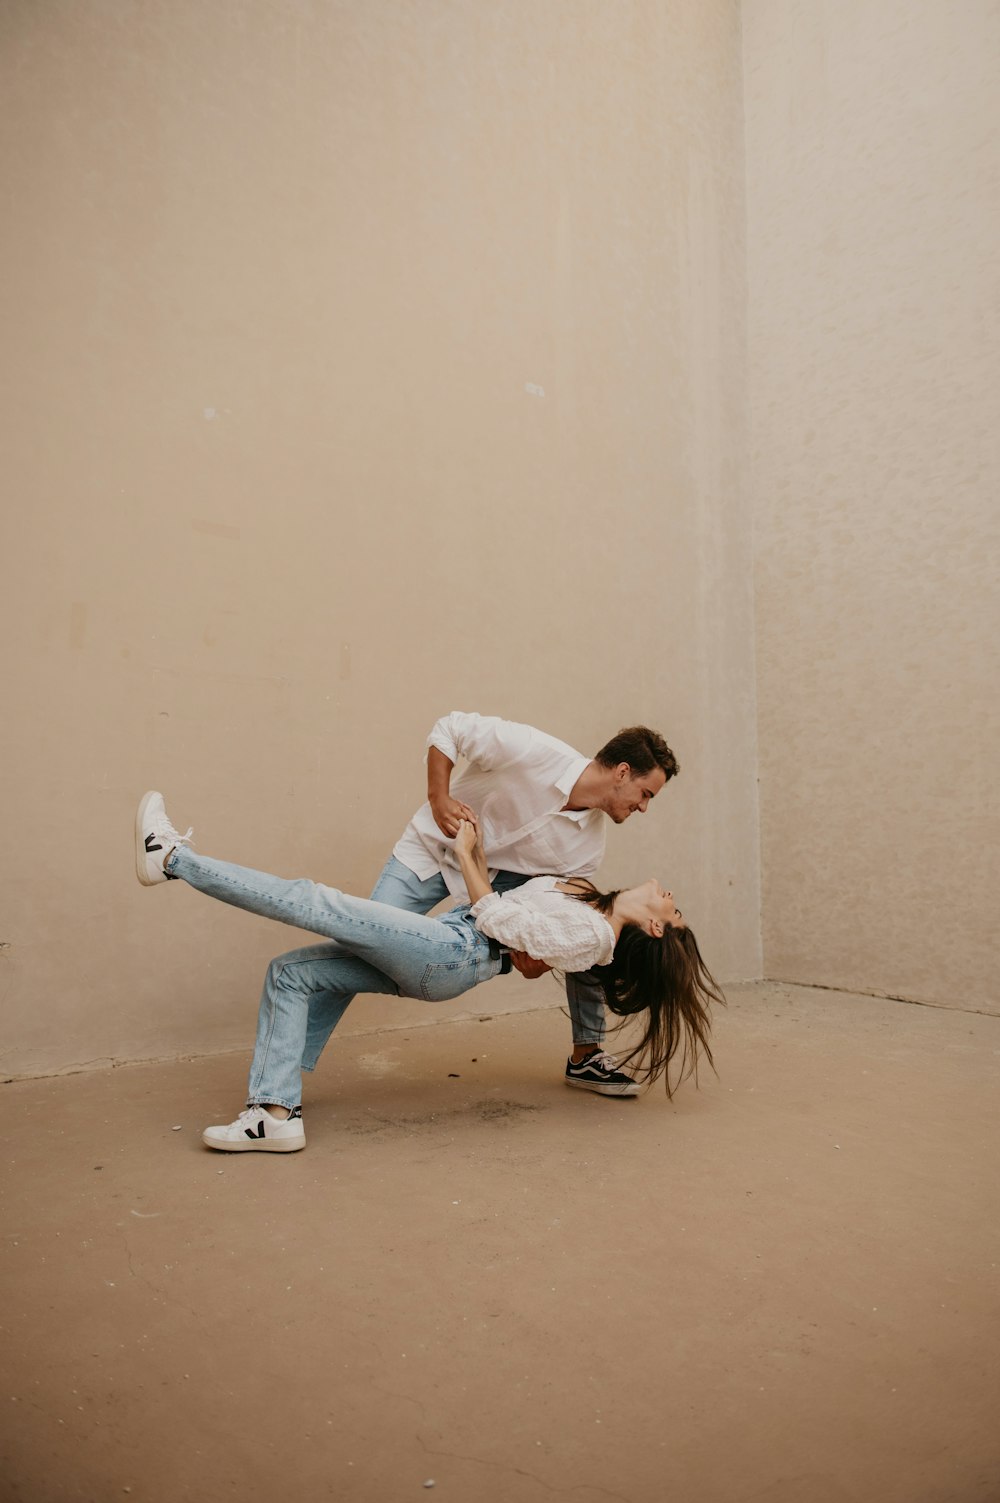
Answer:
[(546, 924)]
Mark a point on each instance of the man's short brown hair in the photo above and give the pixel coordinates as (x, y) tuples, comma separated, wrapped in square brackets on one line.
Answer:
[(642, 749)]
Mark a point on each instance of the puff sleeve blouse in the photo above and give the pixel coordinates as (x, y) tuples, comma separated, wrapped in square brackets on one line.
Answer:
[(547, 924)]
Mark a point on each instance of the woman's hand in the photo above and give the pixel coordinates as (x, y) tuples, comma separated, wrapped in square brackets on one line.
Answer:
[(468, 841), (472, 860)]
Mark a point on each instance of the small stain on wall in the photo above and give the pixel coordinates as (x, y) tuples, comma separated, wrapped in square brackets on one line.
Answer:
[(77, 624), (215, 529)]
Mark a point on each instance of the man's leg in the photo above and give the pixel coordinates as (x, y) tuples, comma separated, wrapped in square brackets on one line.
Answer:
[(401, 888), (585, 1000), (590, 1068)]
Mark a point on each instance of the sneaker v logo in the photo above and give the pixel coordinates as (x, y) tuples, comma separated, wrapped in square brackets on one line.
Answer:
[(151, 845)]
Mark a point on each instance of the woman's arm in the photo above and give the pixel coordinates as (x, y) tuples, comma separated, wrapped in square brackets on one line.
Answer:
[(571, 937), (472, 861)]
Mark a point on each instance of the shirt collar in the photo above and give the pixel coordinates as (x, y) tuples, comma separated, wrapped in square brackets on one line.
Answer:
[(565, 783)]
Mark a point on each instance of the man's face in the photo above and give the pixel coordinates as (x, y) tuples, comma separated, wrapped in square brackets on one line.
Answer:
[(630, 794)]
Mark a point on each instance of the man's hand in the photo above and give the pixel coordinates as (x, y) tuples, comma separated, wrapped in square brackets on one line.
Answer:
[(449, 812), (529, 967)]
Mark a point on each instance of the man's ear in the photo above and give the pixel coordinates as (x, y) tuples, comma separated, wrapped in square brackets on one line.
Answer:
[(622, 772)]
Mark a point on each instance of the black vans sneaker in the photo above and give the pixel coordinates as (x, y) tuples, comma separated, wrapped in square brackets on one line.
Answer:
[(596, 1072)]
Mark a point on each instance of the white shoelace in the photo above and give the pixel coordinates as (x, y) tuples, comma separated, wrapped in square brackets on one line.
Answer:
[(602, 1060), (172, 840)]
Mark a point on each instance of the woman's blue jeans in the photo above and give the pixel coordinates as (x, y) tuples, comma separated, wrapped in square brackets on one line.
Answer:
[(402, 888), (378, 949), (383, 945)]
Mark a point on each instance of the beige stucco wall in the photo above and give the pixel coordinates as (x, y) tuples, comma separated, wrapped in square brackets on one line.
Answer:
[(873, 226), (364, 361)]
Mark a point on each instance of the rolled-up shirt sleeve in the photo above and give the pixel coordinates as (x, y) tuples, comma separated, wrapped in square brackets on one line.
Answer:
[(575, 940), (484, 740)]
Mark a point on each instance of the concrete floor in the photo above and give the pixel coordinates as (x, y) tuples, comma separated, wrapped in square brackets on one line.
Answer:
[(782, 1287)]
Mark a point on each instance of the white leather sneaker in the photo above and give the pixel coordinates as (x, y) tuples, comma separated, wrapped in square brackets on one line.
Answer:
[(256, 1131), (155, 838)]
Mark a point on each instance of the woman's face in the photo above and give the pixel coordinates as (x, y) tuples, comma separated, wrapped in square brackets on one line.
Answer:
[(658, 906)]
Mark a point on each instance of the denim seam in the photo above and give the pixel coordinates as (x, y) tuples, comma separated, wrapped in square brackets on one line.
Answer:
[(394, 929), (267, 1044)]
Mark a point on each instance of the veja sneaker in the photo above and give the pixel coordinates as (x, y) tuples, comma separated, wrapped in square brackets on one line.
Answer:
[(596, 1072), (155, 838), (256, 1131)]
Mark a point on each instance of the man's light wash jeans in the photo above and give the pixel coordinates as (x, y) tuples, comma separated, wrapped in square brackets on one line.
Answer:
[(377, 951)]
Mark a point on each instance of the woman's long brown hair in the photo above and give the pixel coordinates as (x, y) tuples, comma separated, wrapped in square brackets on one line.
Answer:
[(667, 979)]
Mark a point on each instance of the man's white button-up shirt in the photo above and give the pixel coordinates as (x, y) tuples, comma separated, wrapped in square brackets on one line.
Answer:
[(517, 780)]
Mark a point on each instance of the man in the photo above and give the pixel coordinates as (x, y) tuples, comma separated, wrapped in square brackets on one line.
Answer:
[(541, 808)]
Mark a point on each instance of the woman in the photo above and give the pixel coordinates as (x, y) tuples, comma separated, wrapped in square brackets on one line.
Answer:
[(646, 957)]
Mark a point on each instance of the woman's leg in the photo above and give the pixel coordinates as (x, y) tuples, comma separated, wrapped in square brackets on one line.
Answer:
[(398, 886), (429, 958), (303, 990)]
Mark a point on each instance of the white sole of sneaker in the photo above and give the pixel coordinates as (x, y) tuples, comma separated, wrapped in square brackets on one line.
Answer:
[(140, 844), (256, 1145), (602, 1090)]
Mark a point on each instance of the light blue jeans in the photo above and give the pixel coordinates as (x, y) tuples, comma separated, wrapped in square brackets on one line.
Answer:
[(402, 888), (384, 945)]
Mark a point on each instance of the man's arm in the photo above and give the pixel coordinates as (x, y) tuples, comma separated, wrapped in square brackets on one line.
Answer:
[(448, 812), (529, 967), (486, 741)]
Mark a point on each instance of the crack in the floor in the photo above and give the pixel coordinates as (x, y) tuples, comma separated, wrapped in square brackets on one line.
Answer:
[(851, 991), (490, 1111), (506, 1466), (162, 1292), (407, 1398)]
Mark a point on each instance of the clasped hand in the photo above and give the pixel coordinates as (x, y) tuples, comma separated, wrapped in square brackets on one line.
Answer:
[(468, 838), (449, 812), (469, 843), (529, 967)]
